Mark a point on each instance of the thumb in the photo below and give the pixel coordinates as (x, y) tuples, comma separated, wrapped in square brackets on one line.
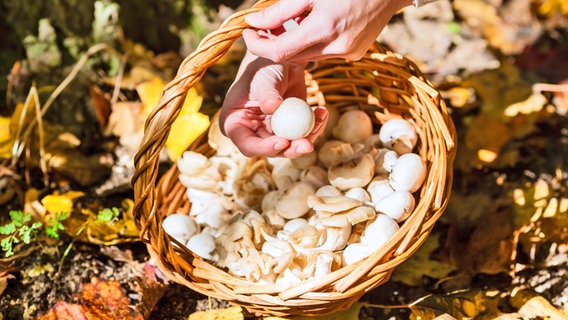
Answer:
[(275, 15), (266, 87)]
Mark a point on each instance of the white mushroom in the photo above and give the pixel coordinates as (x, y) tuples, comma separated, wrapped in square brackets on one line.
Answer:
[(293, 119), (306, 236), (269, 200), (273, 218), (333, 151), (281, 251), (316, 176), (384, 161), (353, 173), (397, 205), (353, 126), (323, 265), (284, 172), (328, 191), (355, 252), (408, 172), (378, 189), (192, 163), (294, 224), (306, 160), (203, 245), (351, 217), (359, 194), (212, 214), (293, 201), (379, 231), (180, 226), (399, 135), (334, 238), (332, 204)]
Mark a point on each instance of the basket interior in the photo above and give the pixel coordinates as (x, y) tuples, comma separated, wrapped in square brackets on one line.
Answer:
[(383, 84)]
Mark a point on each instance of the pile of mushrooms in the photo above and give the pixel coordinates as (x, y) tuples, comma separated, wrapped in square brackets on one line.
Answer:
[(282, 221)]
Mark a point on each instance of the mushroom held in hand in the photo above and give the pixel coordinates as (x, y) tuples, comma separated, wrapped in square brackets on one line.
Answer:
[(294, 119)]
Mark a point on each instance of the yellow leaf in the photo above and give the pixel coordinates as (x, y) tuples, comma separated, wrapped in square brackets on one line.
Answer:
[(6, 139), (60, 203), (184, 131), (233, 313), (534, 103), (189, 124)]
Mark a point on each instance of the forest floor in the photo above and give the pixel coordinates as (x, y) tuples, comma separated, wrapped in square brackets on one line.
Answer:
[(500, 250)]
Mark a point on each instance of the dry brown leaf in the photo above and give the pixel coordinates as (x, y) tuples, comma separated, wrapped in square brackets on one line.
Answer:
[(97, 300), (466, 304)]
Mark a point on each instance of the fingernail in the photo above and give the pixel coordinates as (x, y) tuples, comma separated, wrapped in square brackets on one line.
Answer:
[(280, 146), (302, 149)]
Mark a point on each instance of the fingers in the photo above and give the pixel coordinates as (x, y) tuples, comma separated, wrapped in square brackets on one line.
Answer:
[(250, 144), (275, 15), (288, 45)]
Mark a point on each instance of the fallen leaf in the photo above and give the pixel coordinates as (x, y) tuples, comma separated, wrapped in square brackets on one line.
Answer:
[(189, 124), (6, 139), (97, 300), (59, 203), (6, 275), (422, 264), (466, 304)]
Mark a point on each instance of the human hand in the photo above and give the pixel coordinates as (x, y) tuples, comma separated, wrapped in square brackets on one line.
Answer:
[(343, 29), (260, 86)]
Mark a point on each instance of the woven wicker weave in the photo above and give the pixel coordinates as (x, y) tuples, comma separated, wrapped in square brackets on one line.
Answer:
[(384, 84)]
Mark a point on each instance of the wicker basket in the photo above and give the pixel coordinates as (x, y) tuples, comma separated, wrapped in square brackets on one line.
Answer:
[(384, 83)]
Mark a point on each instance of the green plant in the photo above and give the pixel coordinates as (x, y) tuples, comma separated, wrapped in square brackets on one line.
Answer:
[(18, 230), (54, 224)]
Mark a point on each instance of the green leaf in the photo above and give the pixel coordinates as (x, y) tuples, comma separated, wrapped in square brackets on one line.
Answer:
[(107, 214), (7, 244), (8, 228)]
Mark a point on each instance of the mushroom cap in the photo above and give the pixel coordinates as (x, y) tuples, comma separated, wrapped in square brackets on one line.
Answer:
[(328, 191), (353, 126), (359, 194), (379, 231), (397, 205), (192, 163), (408, 172), (180, 226), (353, 173), (355, 252), (398, 134), (315, 175), (202, 244), (378, 189), (293, 119), (293, 200), (333, 151)]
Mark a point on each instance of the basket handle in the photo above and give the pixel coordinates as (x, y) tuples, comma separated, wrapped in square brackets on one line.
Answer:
[(158, 124)]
